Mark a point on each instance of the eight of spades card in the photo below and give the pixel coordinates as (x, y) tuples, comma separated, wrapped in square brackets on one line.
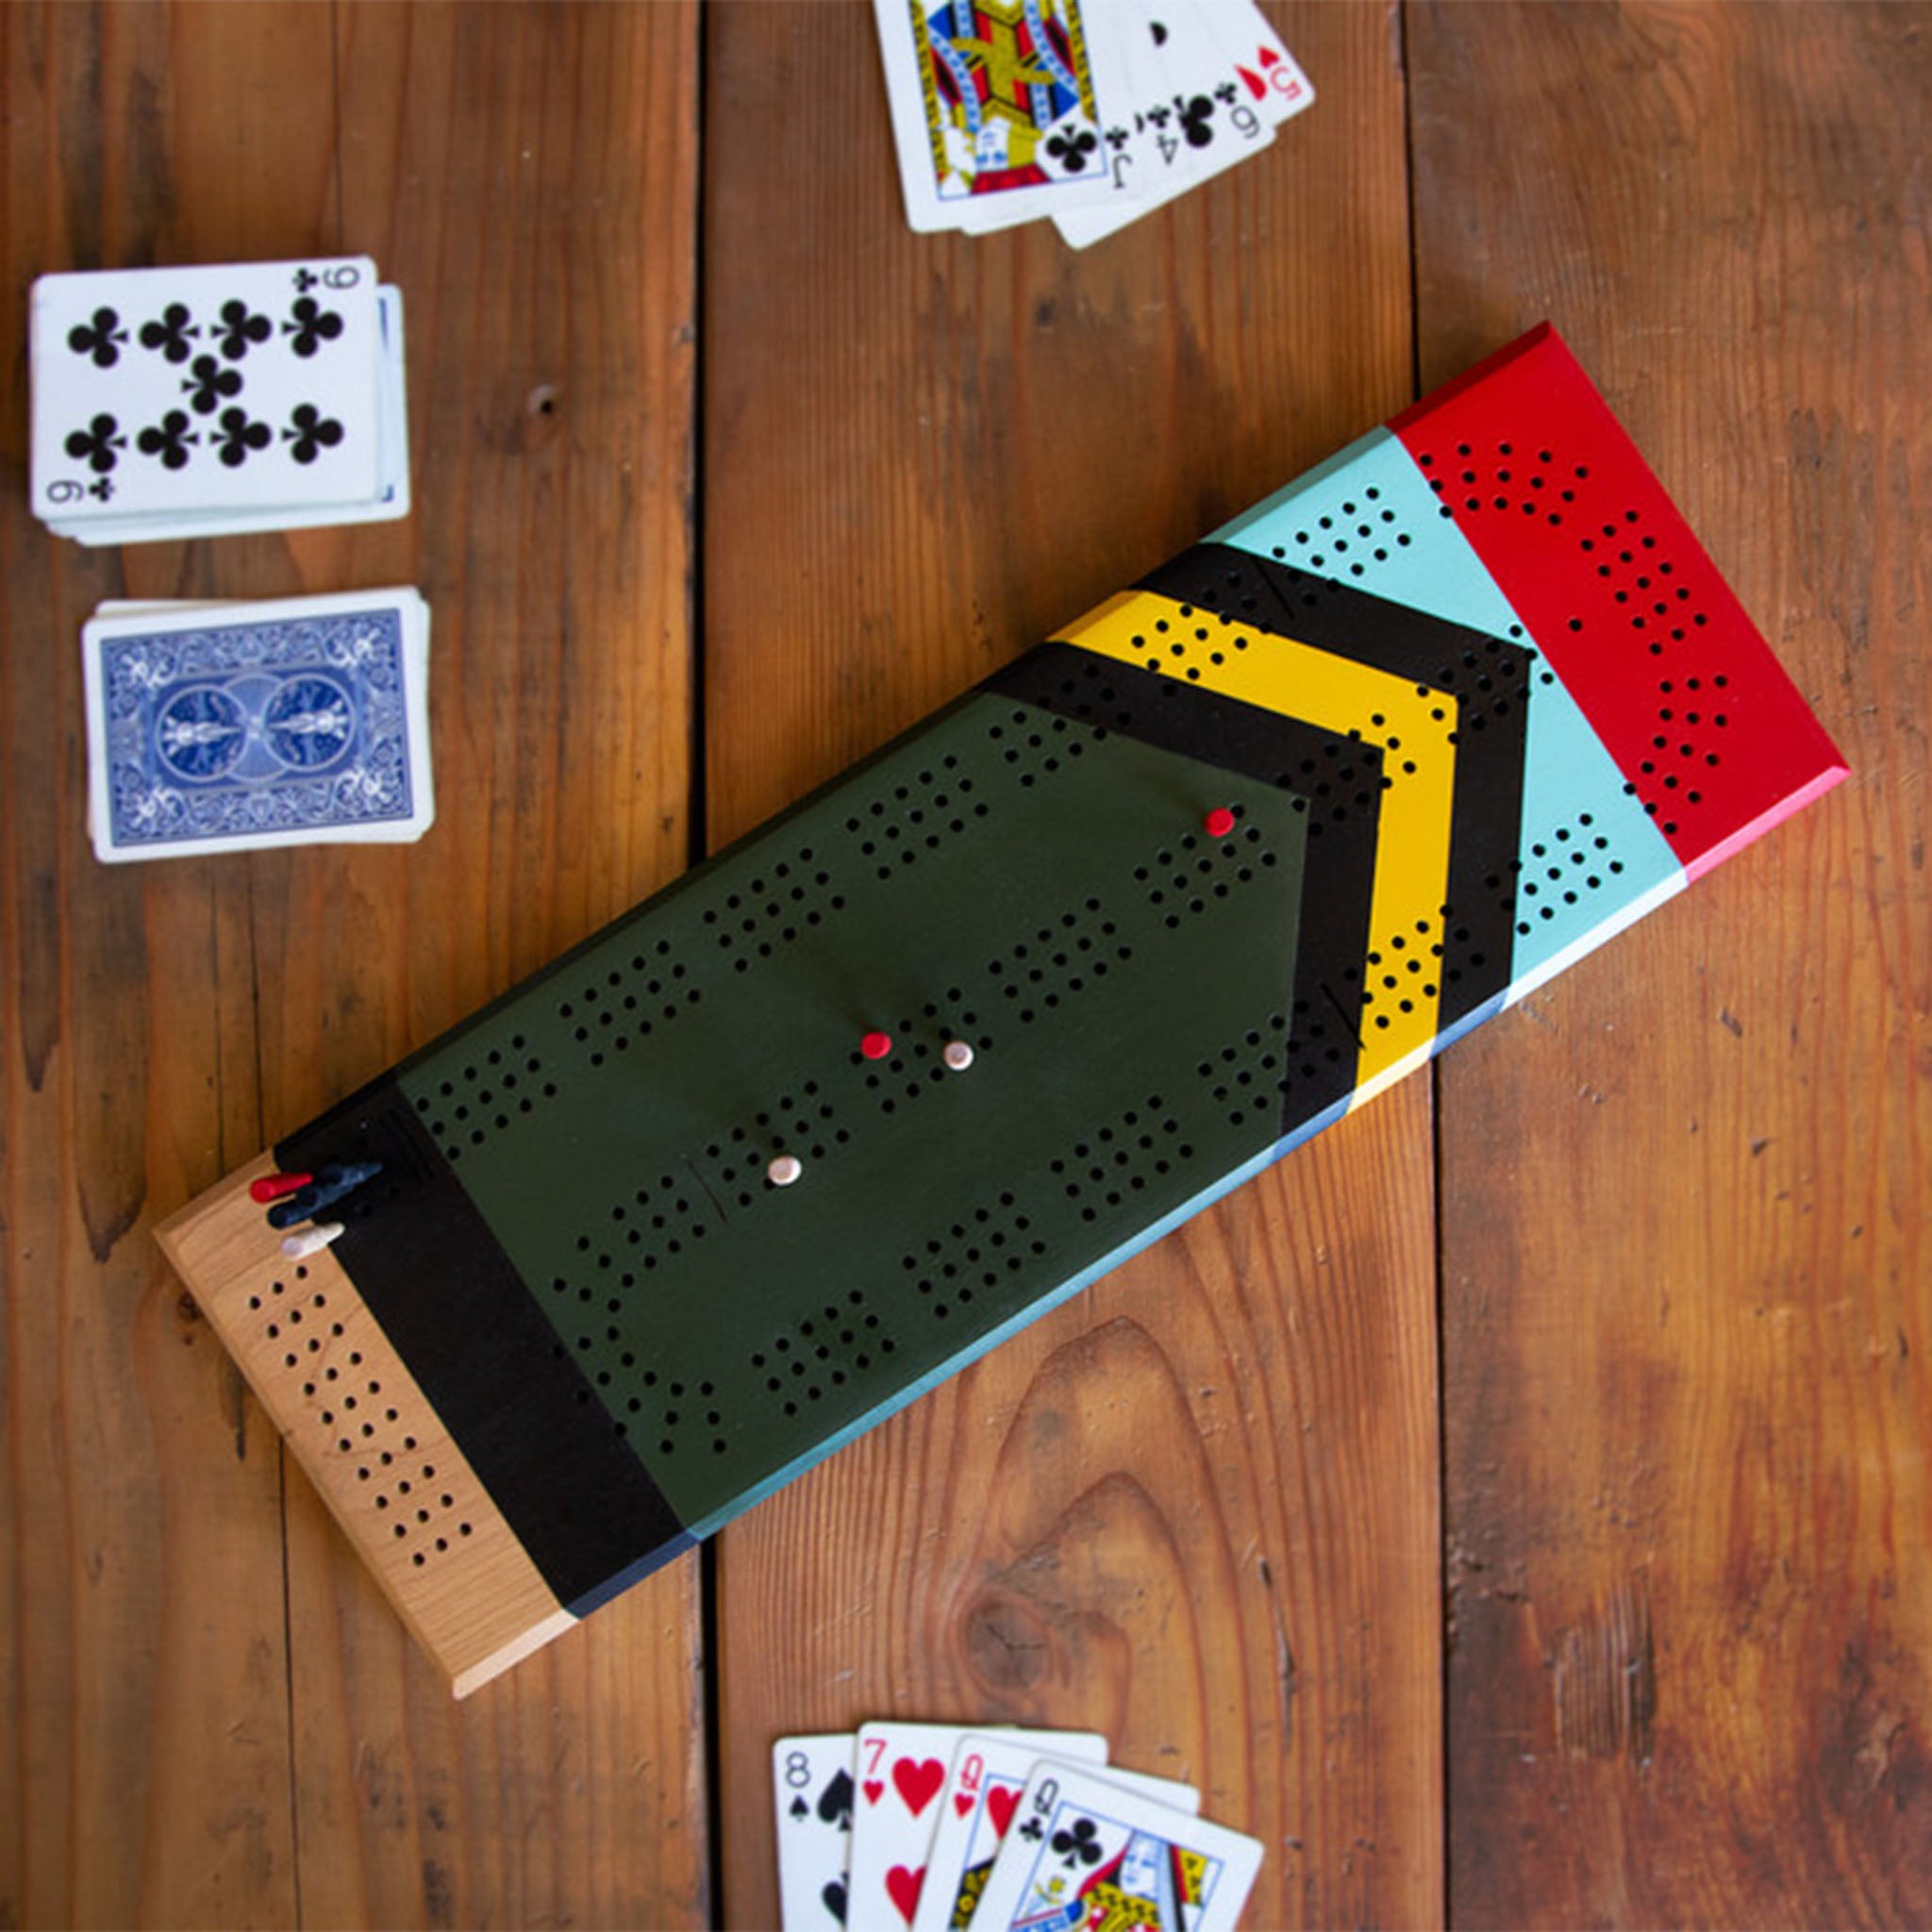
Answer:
[(812, 1779)]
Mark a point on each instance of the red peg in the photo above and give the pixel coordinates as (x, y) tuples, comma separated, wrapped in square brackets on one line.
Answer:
[(276, 1187), (875, 1046), (1219, 822)]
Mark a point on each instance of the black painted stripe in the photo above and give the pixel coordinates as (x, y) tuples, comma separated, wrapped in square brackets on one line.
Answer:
[(425, 1262), (1338, 878), (1493, 681)]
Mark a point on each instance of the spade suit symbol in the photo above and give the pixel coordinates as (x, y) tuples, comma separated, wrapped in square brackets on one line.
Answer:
[(800, 1808), (835, 1803)]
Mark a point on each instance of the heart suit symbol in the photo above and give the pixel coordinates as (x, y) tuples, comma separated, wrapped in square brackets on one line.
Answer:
[(903, 1887), (918, 1781)]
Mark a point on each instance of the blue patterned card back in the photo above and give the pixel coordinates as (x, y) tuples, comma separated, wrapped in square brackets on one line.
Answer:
[(242, 730)]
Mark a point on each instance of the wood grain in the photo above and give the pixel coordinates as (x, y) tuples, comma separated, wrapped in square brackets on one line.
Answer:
[(1689, 1290), (529, 175), (1195, 1509), (145, 1689)]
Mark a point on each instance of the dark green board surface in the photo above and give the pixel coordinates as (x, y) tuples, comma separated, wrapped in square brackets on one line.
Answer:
[(1036, 887)]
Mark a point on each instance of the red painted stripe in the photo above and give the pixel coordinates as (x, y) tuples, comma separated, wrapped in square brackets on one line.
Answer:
[(1621, 597)]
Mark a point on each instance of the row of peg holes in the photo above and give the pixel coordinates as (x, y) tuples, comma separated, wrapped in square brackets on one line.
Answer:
[(995, 1252), (1123, 1156), (1230, 857), (1663, 613), (1027, 971), (346, 1411), (798, 1363), (496, 1083), (1249, 1078), (744, 911)]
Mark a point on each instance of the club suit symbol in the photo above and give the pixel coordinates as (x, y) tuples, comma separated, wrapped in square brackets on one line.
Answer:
[(239, 331), (208, 384), (96, 445), (238, 437), (309, 432), (98, 339), (171, 333), (169, 440), (310, 325)]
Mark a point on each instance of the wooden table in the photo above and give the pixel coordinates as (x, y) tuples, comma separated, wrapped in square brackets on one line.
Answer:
[(1518, 1504)]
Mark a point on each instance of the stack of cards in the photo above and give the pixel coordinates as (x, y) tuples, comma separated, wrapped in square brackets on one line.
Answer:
[(909, 1827), (1092, 111), (221, 727), (200, 402)]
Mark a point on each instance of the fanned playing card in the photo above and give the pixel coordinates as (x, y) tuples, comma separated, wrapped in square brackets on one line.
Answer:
[(901, 1773), (1087, 1856), (983, 1789), (1198, 107), (997, 106), (813, 1786)]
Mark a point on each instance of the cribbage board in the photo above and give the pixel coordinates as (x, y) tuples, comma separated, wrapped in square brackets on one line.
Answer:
[(1219, 862)]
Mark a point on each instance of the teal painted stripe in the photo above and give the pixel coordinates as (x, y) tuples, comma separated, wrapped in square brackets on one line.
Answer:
[(1368, 517)]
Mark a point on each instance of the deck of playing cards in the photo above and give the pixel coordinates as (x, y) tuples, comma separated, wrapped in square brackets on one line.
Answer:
[(201, 402), (1091, 111), (223, 727), (914, 1827)]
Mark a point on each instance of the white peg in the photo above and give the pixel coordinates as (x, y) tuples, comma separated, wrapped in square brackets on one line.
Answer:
[(784, 1170), (958, 1055), (311, 1241)]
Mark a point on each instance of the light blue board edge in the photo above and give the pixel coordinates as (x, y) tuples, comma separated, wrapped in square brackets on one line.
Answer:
[(1415, 555)]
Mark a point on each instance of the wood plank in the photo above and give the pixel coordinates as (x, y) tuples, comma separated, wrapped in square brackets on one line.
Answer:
[(147, 1776), (1688, 1291), (1195, 1507), (528, 176)]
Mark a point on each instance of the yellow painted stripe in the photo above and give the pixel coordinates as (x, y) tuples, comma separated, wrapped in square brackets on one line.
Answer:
[(1413, 725)]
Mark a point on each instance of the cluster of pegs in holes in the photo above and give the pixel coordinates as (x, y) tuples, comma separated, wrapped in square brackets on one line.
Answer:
[(770, 910), (484, 1092), (359, 1421), (1192, 873), (809, 1358), (731, 1169), (1559, 870), (977, 1253), (1121, 1156), (916, 1063)]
